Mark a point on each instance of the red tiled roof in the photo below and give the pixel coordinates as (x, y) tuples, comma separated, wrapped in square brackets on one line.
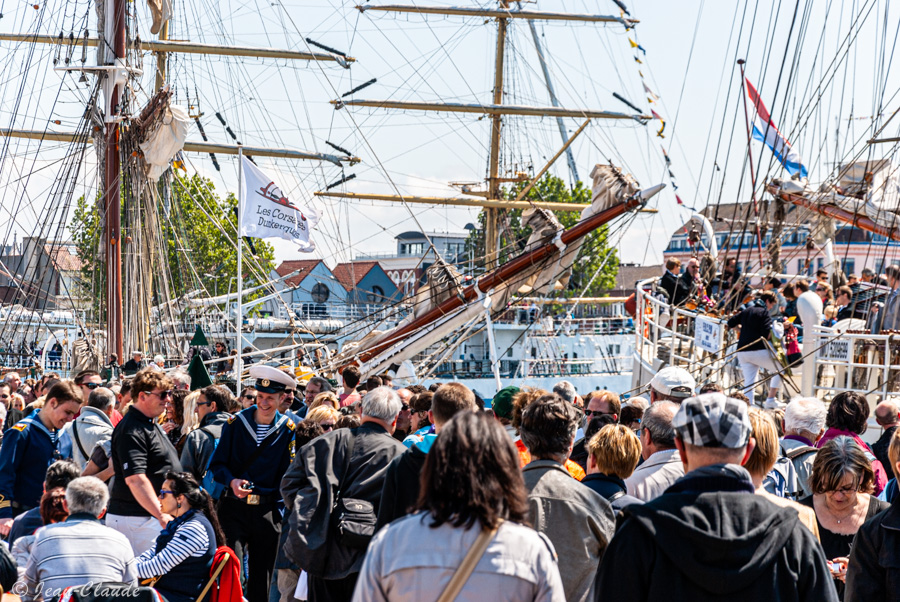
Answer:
[(63, 259), (304, 266), (349, 274)]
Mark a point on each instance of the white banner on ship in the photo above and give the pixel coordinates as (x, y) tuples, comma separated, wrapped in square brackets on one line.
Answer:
[(267, 213), (707, 333)]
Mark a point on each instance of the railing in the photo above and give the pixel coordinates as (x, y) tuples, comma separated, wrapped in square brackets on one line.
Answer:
[(533, 368), (667, 337), (868, 364), (833, 361)]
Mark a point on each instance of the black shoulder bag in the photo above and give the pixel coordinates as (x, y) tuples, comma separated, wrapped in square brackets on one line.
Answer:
[(354, 519)]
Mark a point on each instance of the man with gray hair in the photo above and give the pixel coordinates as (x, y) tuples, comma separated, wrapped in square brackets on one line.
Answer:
[(804, 425), (94, 425), (332, 491), (708, 537), (578, 521), (661, 466), (80, 550), (566, 390), (887, 415)]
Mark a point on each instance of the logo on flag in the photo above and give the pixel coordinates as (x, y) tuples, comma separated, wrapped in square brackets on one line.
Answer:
[(267, 213), (765, 131)]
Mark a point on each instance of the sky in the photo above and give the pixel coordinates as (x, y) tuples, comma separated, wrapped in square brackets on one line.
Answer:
[(824, 68)]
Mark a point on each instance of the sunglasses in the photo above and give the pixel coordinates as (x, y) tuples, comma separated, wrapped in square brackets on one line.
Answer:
[(597, 413), (91, 386), (162, 394), (404, 408), (251, 397), (327, 426), (204, 403), (164, 492), (4, 396)]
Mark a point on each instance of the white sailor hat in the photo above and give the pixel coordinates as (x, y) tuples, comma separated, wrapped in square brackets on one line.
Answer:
[(272, 380)]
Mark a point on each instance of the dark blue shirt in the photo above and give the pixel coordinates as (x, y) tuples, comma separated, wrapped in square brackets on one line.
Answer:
[(28, 449), (609, 486), (238, 444)]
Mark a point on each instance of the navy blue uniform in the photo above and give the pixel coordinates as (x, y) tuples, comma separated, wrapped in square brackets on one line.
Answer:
[(28, 449), (254, 521)]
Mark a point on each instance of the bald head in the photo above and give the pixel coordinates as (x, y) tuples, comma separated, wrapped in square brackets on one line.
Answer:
[(887, 413)]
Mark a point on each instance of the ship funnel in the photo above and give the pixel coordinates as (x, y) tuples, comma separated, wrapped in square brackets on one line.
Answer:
[(647, 193)]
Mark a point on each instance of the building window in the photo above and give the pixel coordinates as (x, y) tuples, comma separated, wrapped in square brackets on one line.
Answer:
[(376, 296), (320, 293), (849, 265), (412, 248)]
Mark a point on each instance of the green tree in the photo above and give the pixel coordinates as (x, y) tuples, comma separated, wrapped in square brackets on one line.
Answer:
[(198, 252), (198, 247), (594, 249)]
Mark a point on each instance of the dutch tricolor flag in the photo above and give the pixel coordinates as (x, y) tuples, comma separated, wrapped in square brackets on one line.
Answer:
[(765, 131)]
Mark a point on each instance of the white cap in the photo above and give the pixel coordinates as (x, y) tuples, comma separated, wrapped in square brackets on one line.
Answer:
[(674, 381), (158, 358), (272, 380)]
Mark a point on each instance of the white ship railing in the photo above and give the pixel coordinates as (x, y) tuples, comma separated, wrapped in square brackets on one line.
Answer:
[(834, 360), (670, 337)]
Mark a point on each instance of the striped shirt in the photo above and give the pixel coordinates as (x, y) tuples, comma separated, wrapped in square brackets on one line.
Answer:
[(190, 541), (262, 431), (75, 552)]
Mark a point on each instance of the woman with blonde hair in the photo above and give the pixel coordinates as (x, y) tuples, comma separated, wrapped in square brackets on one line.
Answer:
[(613, 454), (325, 416), (326, 398), (763, 459)]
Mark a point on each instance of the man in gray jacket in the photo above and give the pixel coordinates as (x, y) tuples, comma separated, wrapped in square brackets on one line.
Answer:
[(578, 521), (93, 426)]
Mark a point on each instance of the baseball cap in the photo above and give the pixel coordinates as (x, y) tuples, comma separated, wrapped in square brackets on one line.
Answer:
[(502, 403), (674, 381), (713, 420)]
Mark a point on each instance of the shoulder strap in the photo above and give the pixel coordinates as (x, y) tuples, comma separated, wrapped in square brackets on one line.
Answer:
[(615, 496), (799, 451), (78, 439), (467, 567)]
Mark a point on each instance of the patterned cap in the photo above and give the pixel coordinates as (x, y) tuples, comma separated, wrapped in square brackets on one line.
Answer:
[(713, 420)]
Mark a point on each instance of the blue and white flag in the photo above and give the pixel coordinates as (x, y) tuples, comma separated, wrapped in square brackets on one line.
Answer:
[(765, 131)]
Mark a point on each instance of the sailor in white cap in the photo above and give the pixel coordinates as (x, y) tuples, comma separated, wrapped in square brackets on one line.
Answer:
[(253, 454)]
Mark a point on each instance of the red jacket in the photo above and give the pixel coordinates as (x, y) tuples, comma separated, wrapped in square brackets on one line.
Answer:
[(228, 586)]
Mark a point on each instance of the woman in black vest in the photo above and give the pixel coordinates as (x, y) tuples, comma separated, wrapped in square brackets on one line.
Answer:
[(183, 554)]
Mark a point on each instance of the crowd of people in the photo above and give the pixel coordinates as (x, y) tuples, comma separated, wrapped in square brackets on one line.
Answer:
[(305, 490), (770, 316)]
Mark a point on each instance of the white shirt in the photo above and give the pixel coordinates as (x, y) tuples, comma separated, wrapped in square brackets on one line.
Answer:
[(655, 475)]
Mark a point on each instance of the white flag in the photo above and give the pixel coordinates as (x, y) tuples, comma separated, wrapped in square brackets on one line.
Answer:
[(267, 213)]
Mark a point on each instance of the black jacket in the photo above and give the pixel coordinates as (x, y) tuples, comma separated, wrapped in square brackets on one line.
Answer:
[(401, 486), (711, 538), (880, 449), (613, 489), (756, 324), (874, 569), (669, 283), (320, 470)]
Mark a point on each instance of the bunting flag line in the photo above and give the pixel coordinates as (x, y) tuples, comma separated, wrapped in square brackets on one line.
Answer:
[(649, 91), (678, 200), (636, 45)]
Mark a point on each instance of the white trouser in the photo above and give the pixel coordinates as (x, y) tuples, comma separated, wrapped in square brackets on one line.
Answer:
[(751, 362), (141, 531)]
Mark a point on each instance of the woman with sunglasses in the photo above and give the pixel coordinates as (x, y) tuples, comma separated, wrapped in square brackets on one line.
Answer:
[(181, 559), (842, 480), (324, 416)]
